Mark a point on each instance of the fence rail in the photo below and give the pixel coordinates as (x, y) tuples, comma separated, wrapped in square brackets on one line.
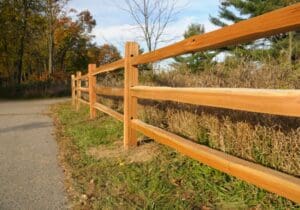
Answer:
[(281, 102), (278, 102), (108, 91), (109, 67)]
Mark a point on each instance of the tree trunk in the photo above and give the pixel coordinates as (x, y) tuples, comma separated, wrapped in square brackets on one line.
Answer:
[(22, 44), (50, 21), (50, 61), (20, 61), (62, 60)]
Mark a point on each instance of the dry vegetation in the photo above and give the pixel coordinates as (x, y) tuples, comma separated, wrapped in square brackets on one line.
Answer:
[(271, 140), (143, 153)]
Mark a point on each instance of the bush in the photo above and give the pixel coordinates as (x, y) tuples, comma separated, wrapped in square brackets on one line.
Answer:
[(37, 89)]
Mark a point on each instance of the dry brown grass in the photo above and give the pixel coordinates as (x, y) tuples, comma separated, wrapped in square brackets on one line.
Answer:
[(273, 141), (268, 145), (241, 74), (143, 153)]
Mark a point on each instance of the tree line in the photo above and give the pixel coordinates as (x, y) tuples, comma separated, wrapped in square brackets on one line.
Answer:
[(41, 38)]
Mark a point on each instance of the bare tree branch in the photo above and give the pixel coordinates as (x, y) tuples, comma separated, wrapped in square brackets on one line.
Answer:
[(152, 18)]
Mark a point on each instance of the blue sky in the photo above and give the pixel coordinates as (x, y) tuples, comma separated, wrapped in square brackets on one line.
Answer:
[(115, 26)]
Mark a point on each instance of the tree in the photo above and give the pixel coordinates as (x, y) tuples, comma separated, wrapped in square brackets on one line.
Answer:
[(195, 61), (25, 39), (233, 11), (72, 40), (7, 35), (152, 18), (18, 20), (53, 10), (105, 54)]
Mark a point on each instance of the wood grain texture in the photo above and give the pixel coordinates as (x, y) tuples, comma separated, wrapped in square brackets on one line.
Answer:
[(109, 67), (278, 21), (130, 103), (73, 89), (91, 90), (271, 180), (109, 91), (109, 111), (84, 77), (82, 89), (279, 102), (78, 86)]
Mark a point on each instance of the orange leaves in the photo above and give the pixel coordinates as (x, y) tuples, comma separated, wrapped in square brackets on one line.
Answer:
[(65, 29)]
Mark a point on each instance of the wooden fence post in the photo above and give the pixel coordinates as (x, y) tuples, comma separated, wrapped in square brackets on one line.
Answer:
[(130, 103), (92, 93), (73, 89), (78, 90)]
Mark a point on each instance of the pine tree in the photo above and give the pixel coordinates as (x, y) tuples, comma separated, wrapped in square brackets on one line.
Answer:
[(233, 11), (195, 61)]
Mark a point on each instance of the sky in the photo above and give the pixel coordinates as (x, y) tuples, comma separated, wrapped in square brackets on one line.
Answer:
[(115, 26)]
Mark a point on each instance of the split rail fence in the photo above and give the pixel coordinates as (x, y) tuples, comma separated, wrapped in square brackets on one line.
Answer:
[(277, 102)]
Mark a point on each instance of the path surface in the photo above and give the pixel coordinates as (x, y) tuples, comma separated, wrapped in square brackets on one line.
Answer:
[(30, 177)]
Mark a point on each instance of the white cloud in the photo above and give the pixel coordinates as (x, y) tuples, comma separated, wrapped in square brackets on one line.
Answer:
[(119, 34), (115, 26)]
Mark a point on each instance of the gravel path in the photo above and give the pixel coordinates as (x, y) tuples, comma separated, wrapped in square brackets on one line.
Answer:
[(30, 177)]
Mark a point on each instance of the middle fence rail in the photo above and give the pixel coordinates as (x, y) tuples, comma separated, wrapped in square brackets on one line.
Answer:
[(277, 102)]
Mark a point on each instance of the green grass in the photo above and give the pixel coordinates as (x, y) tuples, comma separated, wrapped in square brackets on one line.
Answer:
[(169, 181)]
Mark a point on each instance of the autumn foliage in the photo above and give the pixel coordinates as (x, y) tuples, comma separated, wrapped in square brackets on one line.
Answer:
[(43, 41)]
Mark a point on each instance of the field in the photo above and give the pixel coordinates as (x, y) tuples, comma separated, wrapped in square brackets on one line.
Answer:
[(101, 175)]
